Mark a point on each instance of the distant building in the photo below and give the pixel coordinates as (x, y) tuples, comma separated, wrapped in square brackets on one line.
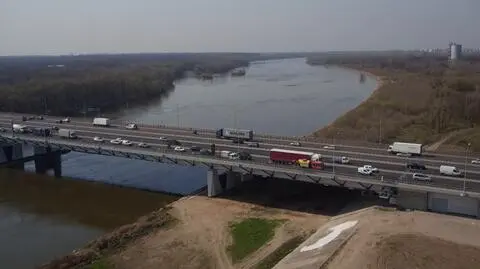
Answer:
[(455, 51)]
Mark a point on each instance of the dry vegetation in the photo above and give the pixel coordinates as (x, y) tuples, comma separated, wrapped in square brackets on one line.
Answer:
[(410, 240), (419, 99)]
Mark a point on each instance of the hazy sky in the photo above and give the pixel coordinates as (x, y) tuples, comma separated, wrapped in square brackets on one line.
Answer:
[(88, 26)]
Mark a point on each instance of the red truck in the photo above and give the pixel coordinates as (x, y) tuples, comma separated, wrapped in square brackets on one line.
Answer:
[(286, 156)]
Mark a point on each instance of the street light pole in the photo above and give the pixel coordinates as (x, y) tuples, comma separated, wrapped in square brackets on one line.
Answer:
[(178, 116), (465, 172), (333, 155)]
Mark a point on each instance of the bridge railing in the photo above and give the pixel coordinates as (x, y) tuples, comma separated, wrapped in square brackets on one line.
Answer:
[(141, 153)]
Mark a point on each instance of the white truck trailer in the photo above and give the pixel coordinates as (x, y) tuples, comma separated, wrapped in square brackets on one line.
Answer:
[(67, 133), (101, 122), (407, 148)]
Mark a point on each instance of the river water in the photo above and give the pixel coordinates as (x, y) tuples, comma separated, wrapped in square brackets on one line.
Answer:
[(41, 217)]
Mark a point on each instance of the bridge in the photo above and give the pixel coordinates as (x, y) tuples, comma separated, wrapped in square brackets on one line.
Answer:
[(443, 193)]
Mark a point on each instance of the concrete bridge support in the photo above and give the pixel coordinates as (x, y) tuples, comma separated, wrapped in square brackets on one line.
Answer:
[(216, 184), (11, 152), (53, 160)]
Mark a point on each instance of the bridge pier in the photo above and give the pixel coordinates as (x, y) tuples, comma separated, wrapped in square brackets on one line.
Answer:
[(52, 160), (214, 187), (11, 152)]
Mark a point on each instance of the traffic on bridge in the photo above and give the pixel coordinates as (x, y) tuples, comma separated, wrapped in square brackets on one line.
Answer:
[(375, 163)]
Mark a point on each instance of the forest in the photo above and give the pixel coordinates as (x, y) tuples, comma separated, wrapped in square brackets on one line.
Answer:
[(75, 85)]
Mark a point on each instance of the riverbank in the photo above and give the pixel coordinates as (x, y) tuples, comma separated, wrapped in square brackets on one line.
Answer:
[(201, 232), (413, 103)]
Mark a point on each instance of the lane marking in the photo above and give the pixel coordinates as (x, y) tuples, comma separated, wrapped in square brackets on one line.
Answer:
[(334, 233)]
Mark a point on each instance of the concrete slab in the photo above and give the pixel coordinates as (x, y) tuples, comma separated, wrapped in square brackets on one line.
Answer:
[(319, 248)]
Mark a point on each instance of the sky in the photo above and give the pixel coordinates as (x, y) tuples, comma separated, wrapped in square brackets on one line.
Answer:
[(52, 27)]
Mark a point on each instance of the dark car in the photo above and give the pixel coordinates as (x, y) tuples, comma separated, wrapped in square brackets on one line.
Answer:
[(205, 152), (195, 148), (237, 141), (245, 156), (416, 166), (253, 144)]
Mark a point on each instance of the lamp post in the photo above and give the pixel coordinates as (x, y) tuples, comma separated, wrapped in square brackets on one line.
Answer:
[(465, 172)]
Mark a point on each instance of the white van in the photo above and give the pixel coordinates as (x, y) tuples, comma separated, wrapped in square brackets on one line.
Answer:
[(449, 170)]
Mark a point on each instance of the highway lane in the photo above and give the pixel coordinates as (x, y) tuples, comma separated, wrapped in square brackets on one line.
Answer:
[(150, 137), (390, 171), (445, 182), (269, 140), (374, 148)]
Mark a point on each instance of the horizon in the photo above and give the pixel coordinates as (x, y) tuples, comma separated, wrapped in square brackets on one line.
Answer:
[(54, 27)]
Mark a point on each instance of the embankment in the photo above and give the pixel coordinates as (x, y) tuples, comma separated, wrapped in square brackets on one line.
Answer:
[(113, 241), (418, 100)]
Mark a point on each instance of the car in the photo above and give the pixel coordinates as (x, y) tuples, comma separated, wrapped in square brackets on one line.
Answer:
[(195, 148), (476, 161), (179, 149), (2, 130), (295, 143), (195, 132), (55, 128), (98, 139), (421, 177), (31, 117), (371, 168), (162, 138), (205, 152), (39, 117), (329, 147), (59, 121), (364, 171), (401, 154), (143, 145), (67, 119), (126, 142), (116, 141), (131, 126), (237, 141), (416, 166), (253, 144)]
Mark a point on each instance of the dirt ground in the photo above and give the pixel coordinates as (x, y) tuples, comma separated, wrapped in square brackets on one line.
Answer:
[(201, 237), (410, 240)]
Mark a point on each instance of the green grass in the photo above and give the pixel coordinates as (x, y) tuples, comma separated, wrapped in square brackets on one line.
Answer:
[(271, 260), (100, 264), (249, 235)]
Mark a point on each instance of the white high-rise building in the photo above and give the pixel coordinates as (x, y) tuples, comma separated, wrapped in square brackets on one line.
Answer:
[(455, 51)]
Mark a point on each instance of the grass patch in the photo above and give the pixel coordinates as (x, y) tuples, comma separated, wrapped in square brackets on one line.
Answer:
[(249, 235), (100, 264), (271, 260)]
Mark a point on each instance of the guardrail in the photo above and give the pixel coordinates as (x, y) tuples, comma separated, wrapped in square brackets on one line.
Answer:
[(155, 154)]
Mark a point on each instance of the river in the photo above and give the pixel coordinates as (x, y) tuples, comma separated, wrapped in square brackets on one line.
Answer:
[(42, 217)]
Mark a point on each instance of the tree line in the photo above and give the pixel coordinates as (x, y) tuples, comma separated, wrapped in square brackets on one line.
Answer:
[(74, 85)]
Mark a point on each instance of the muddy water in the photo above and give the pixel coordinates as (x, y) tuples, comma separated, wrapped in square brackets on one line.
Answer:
[(42, 217)]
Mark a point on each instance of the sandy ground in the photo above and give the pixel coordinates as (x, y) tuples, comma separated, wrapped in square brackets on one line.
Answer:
[(410, 240), (201, 237)]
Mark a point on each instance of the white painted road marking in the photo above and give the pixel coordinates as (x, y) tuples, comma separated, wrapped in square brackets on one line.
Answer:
[(334, 232)]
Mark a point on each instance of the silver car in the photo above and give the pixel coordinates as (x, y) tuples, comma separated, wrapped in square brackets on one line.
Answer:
[(421, 177)]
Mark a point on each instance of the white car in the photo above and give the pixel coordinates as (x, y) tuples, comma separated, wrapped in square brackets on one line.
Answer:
[(162, 138), (131, 126), (329, 147), (126, 142), (179, 149), (364, 171), (116, 141), (143, 145), (296, 144), (371, 168), (98, 139), (66, 120), (421, 177), (476, 161)]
